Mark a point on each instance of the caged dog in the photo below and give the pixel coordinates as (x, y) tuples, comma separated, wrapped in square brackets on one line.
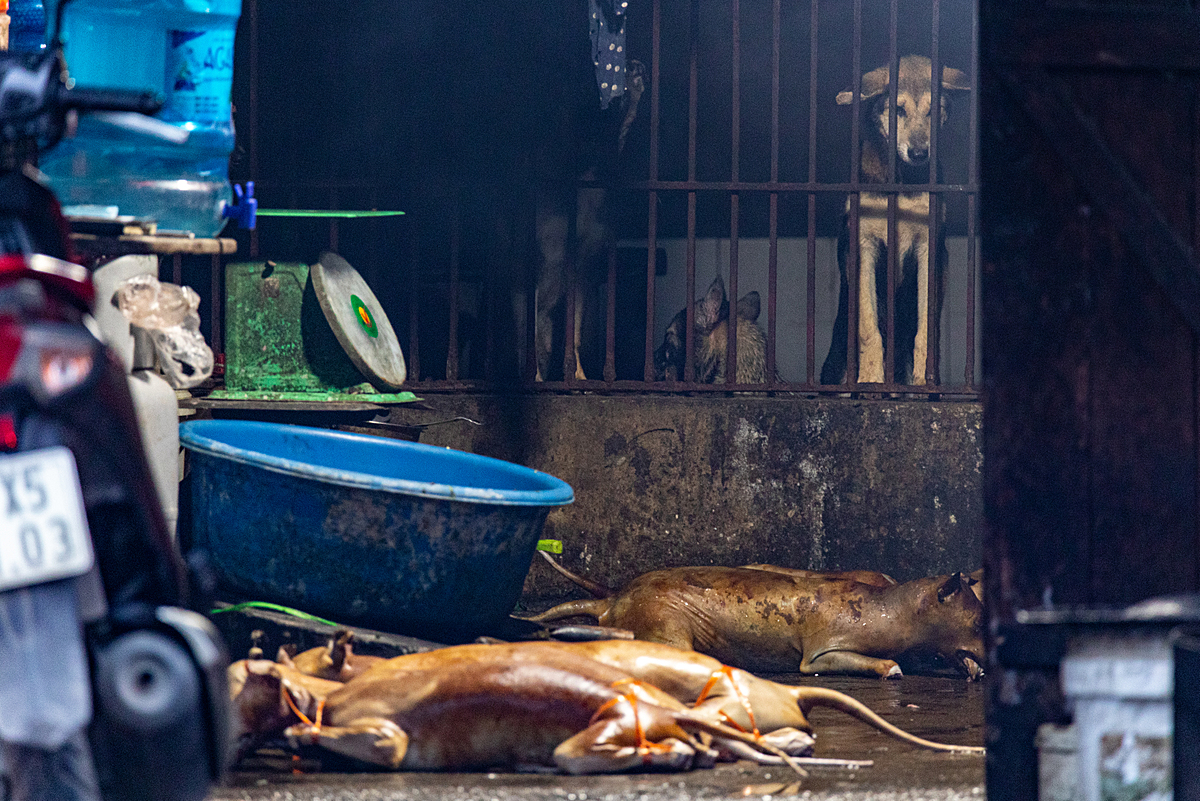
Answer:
[(593, 237), (913, 336), (709, 335)]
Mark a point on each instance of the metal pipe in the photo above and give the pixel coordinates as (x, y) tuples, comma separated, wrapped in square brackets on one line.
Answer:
[(689, 363), (735, 144), (889, 312), (652, 212), (852, 260)]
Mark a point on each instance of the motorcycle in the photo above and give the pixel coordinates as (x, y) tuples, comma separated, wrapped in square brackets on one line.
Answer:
[(111, 685)]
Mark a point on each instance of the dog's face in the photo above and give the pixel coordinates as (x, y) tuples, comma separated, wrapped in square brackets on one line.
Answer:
[(710, 311), (914, 104)]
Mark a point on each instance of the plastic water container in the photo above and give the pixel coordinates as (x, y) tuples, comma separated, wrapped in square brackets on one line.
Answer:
[(27, 31), (182, 49)]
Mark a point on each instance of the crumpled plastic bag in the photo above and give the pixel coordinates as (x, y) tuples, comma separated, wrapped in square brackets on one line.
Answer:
[(170, 313)]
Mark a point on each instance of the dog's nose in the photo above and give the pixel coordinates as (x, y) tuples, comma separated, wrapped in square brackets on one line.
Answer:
[(918, 155)]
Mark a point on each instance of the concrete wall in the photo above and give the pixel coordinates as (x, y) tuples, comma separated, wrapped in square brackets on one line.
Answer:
[(662, 481)]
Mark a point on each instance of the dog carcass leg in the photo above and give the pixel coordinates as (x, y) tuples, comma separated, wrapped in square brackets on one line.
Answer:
[(611, 745), (378, 741), (850, 663)]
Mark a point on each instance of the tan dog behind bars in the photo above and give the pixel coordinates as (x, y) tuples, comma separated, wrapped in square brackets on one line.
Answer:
[(913, 337)]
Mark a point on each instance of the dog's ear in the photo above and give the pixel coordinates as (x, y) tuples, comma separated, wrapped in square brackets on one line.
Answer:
[(749, 306), (955, 80), (873, 84), (954, 583), (708, 310)]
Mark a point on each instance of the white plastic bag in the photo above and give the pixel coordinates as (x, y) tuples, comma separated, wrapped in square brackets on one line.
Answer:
[(170, 313)]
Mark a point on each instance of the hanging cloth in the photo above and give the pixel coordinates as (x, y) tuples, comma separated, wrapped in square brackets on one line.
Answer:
[(606, 21)]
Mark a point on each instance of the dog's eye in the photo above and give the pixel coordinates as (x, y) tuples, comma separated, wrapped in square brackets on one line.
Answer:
[(901, 113)]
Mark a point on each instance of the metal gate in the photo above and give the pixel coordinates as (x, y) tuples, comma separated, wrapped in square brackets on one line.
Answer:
[(738, 164)]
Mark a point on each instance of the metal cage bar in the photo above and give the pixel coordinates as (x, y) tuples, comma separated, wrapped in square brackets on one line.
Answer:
[(810, 311), (735, 144), (889, 314), (689, 363)]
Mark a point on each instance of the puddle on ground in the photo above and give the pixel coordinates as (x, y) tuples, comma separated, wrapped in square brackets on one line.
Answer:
[(947, 710)]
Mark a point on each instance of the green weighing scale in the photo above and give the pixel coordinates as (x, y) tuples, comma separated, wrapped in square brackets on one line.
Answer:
[(308, 333)]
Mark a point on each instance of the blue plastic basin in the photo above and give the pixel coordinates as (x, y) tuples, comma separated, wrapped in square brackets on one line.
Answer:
[(385, 533)]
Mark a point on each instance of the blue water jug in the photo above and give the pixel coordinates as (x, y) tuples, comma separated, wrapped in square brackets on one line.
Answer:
[(27, 30), (182, 49)]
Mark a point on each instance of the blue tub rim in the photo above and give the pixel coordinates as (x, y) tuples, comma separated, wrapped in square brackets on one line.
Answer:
[(556, 492)]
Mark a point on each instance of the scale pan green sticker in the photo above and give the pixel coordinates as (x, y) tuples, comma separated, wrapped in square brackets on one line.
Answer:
[(365, 318)]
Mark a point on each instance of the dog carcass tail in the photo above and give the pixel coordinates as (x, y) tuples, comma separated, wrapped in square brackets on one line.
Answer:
[(594, 609), (809, 697), (598, 590)]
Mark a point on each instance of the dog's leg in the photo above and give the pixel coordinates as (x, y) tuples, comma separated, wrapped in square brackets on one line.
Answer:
[(921, 342), (579, 375), (552, 251), (870, 341)]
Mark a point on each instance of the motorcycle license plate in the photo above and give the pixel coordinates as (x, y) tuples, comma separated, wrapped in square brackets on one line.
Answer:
[(43, 527)]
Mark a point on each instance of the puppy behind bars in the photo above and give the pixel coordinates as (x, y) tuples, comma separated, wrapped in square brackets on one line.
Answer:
[(710, 333), (911, 144)]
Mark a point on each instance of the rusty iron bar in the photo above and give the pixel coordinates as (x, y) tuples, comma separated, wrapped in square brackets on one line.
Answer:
[(731, 326), (852, 260), (529, 226), (773, 210), (810, 327), (626, 386), (972, 198), (735, 144), (1195, 353), (889, 313), (785, 187), (569, 288), (610, 320), (216, 307), (969, 368), (251, 14), (689, 363), (932, 318), (772, 285), (652, 196), (333, 221), (414, 297), (685, 185), (488, 300), (452, 334), (651, 267)]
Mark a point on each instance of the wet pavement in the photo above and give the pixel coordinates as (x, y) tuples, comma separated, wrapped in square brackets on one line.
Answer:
[(942, 709)]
